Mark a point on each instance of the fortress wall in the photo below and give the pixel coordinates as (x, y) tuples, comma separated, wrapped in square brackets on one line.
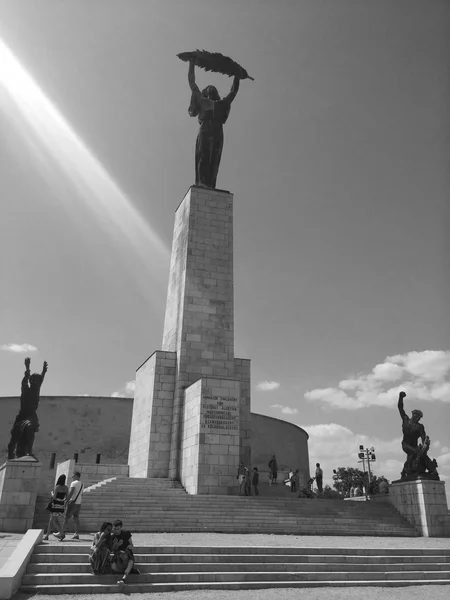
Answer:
[(287, 441), (91, 425), (88, 425)]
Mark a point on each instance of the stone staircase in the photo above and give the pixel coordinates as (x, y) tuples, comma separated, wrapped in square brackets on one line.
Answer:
[(161, 505), (64, 568)]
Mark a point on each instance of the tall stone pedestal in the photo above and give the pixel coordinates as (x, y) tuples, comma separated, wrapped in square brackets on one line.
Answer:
[(19, 480), (424, 504), (191, 412)]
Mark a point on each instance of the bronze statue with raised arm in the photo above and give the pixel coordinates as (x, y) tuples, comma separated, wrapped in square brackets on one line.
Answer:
[(27, 423), (418, 464)]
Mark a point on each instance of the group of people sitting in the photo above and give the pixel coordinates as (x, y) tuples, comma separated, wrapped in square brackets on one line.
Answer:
[(112, 552)]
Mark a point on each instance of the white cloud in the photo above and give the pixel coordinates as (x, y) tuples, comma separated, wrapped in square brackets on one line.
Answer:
[(286, 410), (130, 387), (18, 347), (423, 376), (126, 392), (267, 386)]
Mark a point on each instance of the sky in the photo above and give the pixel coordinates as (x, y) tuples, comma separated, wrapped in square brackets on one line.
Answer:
[(337, 156)]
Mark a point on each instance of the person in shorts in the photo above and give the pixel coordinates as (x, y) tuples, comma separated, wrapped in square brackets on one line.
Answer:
[(73, 506), (123, 556)]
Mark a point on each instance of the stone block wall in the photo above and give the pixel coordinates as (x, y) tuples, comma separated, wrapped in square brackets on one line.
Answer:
[(424, 504), (242, 374), (210, 444), (151, 424), (190, 437), (19, 481)]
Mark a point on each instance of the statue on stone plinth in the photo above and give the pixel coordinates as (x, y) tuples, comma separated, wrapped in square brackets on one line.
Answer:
[(211, 110), (27, 423), (418, 464)]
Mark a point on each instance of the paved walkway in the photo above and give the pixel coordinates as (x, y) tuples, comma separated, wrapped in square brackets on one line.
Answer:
[(8, 542)]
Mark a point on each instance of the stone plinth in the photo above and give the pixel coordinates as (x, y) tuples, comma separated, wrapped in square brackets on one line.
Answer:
[(210, 436), (198, 346), (424, 504), (151, 424), (19, 481)]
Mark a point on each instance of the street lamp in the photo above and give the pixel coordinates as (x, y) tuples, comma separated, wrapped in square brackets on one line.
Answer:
[(366, 454)]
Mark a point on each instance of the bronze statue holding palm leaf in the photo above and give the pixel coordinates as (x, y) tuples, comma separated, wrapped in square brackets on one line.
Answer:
[(211, 110)]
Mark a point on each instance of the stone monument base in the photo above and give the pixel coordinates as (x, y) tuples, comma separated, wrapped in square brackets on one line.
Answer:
[(424, 504), (19, 480)]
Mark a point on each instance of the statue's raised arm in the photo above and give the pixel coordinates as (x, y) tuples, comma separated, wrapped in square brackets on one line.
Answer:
[(401, 410)]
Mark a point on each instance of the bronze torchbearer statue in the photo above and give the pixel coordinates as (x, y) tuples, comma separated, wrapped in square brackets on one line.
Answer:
[(418, 464), (212, 111), (27, 423)]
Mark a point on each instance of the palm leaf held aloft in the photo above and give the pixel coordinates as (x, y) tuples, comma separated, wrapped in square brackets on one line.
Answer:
[(216, 62)]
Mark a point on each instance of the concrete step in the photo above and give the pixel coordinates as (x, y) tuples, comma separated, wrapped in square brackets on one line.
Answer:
[(181, 567), (228, 576), (80, 549), (99, 588)]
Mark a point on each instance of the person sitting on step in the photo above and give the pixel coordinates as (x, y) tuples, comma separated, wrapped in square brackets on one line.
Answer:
[(100, 551), (123, 556)]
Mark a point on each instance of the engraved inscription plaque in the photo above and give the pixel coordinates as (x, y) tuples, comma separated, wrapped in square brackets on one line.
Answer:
[(220, 413)]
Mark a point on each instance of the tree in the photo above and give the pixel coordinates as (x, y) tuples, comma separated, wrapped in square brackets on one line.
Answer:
[(330, 494), (347, 477)]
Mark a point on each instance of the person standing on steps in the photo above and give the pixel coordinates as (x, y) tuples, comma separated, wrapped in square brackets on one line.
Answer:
[(73, 506), (57, 505), (241, 478), (319, 478), (273, 469), (248, 482), (255, 481)]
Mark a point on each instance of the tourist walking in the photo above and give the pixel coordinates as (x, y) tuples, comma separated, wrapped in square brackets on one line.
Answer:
[(241, 478), (255, 481), (100, 551), (56, 506), (319, 478), (273, 469), (122, 547), (73, 506)]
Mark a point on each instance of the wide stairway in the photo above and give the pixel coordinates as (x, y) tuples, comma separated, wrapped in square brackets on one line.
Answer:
[(64, 568), (161, 505)]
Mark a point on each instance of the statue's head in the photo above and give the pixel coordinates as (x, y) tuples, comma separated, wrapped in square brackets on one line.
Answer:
[(211, 92), (416, 415), (35, 380)]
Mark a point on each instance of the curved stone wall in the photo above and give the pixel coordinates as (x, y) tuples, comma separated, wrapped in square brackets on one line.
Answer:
[(91, 425), (287, 441)]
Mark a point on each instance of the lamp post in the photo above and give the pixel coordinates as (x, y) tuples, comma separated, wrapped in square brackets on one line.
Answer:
[(366, 454)]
